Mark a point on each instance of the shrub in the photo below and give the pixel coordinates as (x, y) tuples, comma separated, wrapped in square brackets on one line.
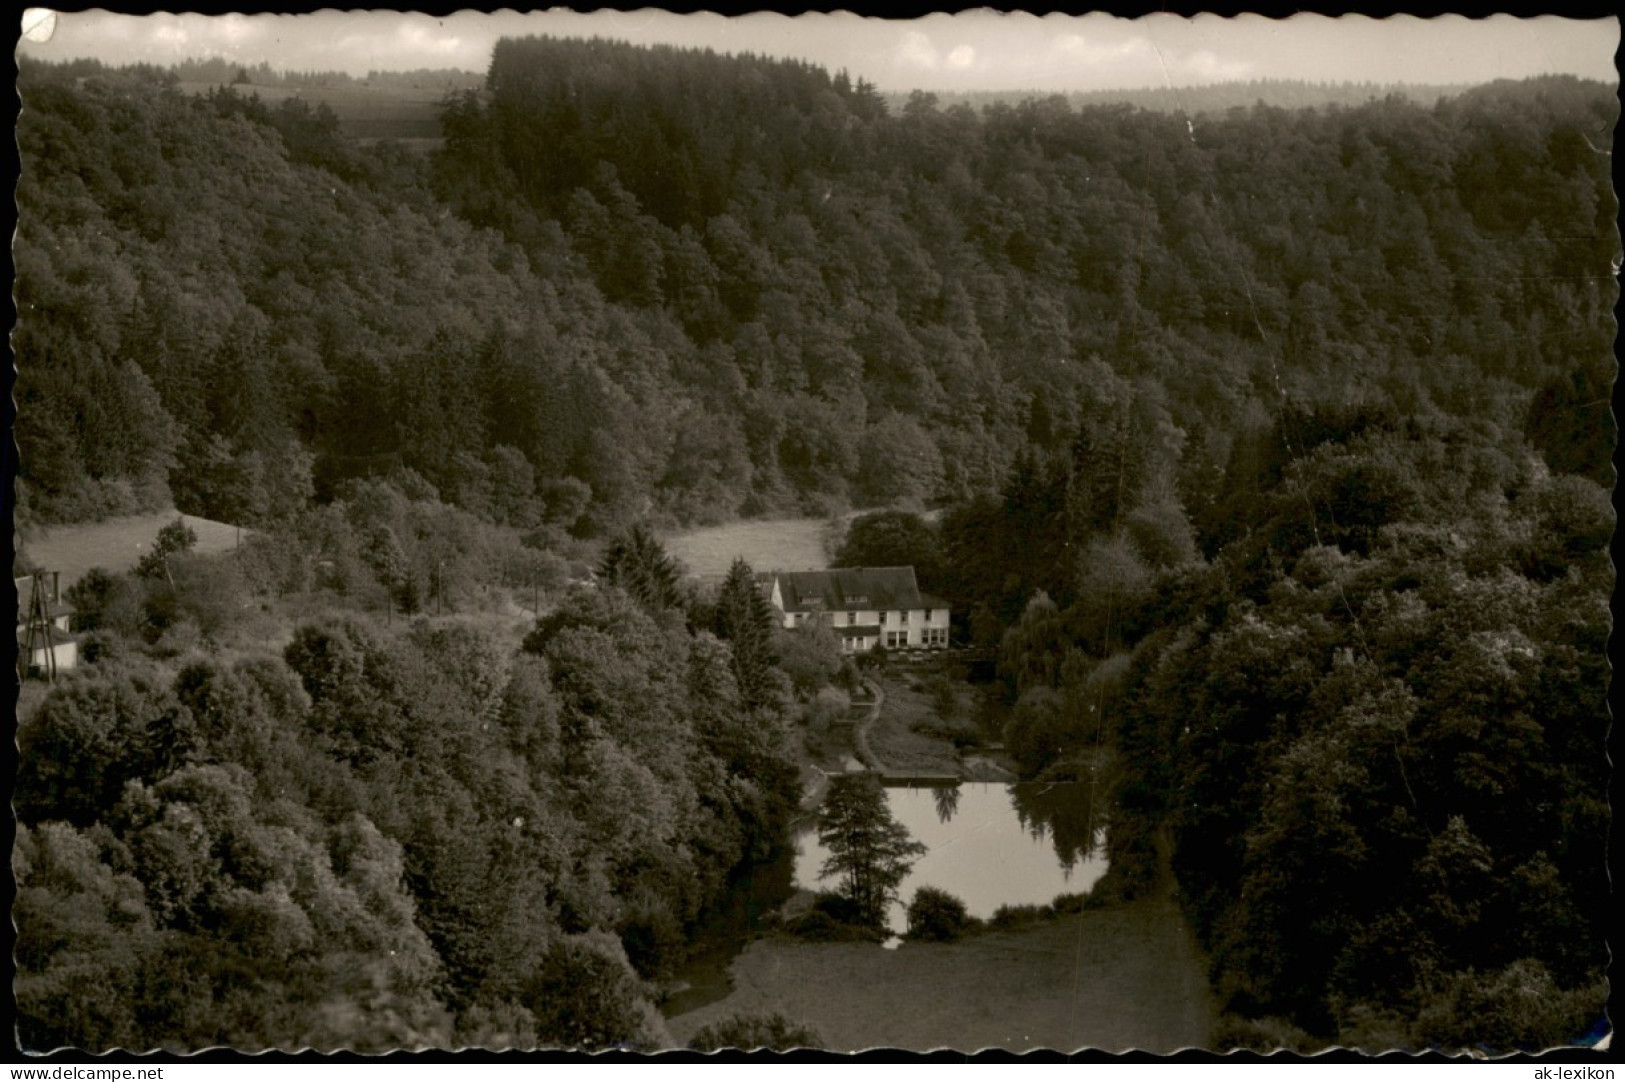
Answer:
[(652, 936), (849, 678), (751, 1031), (585, 995), (961, 734), (1519, 1008), (1065, 904), (174, 538), (810, 656), (838, 908), (815, 926), (831, 919), (103, 601), (945, 696), (936, 915), (1015, 916), (827, 706), (1262, 1035), (1036, 733)]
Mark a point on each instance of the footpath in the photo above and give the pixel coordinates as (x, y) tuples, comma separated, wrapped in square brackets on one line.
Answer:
[(815, 779), (860, 731)]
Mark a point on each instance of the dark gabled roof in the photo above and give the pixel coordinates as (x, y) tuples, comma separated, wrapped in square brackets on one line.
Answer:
[(849, 589)]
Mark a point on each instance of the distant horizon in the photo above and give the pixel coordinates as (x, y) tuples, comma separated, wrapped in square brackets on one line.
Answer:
[(252, 64), (970, 52)]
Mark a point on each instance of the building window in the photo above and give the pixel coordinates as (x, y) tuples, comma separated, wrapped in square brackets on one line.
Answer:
[(882, 619), (928, 615), (903, 619), (896, 638), (801, 618), (936, 636), (852, 619)]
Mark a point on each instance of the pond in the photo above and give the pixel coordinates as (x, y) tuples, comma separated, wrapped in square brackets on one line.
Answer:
[(989, 845)]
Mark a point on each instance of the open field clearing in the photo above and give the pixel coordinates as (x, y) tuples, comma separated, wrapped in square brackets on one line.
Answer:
[(119, 543), (792, 544), (1127, 977)]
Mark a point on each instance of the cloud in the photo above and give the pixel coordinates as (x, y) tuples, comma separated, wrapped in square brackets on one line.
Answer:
[(916, 51), (170, 34), (422, 40), (235, 28), (1205, 66), (1133, 60), (974, 49)]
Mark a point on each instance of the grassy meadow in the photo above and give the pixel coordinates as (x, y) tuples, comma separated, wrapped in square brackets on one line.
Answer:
[(118, 544), (1120, 978), (894, 737), (794, 544)]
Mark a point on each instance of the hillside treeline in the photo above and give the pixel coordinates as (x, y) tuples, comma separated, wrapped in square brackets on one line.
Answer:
[(1215, 97), (1368, 735), (694, 286)]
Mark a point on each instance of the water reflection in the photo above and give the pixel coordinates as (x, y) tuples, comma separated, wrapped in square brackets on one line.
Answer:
[(1068, 813), (989, 844)]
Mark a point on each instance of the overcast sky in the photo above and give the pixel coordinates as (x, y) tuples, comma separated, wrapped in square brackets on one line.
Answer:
[(968, 51)]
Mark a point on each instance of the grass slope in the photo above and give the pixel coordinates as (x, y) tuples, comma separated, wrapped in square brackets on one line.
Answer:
[(1115, 979), (795, 544), (118, 544), (893, 738)]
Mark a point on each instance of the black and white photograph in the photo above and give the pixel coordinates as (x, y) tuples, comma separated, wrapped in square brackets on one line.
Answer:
[(633, 532)]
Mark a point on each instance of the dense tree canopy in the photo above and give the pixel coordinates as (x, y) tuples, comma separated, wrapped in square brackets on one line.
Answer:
[(387, 836), (735, 284)]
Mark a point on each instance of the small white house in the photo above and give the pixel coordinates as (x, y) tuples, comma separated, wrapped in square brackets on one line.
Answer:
[(865, 606)]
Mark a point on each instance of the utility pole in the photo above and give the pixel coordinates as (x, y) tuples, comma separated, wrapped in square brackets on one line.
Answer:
[(38, 633)]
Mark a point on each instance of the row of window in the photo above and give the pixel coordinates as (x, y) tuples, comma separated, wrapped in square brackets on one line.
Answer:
[(934, 636), (902, 618)]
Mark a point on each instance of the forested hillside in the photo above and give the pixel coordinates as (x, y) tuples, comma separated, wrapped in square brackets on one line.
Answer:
[(1273, 449), (792, 298)]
